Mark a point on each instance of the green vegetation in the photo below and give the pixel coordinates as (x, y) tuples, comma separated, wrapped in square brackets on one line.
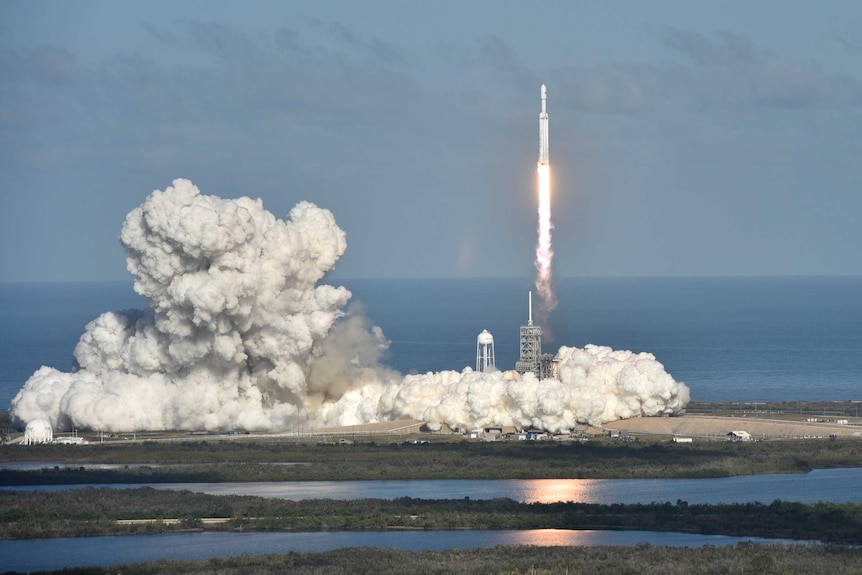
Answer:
[(88, 512), (524, 560), (277, 460)]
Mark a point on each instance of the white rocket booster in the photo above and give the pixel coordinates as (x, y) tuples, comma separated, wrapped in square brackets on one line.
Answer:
[(543, 129)]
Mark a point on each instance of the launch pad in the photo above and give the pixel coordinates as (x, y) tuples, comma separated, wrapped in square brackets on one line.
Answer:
[(531, 359)]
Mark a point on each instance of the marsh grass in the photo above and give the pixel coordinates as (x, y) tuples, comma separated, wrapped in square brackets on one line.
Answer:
[(524, 560), (270, 460)]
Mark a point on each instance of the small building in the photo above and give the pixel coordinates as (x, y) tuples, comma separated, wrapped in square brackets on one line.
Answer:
[(682, 439), (74, 440), (739, 436)]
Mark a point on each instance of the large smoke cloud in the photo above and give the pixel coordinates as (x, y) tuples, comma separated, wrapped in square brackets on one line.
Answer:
[(238, 333), (596, 385)]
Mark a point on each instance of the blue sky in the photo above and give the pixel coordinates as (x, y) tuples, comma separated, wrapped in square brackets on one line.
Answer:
[(687, 138)]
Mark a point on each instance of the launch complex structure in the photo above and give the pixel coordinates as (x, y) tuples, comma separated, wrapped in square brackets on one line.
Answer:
[(543, 365)]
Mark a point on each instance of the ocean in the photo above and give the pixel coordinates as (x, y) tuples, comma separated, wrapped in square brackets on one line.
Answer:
[(728, 339)]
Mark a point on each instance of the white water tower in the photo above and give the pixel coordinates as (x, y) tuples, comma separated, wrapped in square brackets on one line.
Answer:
[(38, 431), (485, 352)]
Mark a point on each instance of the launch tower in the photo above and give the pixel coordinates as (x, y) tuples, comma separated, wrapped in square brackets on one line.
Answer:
[(543, 366)]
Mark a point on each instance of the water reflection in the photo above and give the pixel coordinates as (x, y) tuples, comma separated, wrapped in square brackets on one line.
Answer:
[(554, 538), (592, 538), (833, 485), (51, 554), (554, 490)]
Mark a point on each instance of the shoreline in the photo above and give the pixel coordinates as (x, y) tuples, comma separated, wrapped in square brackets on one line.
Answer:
[(105, 511)]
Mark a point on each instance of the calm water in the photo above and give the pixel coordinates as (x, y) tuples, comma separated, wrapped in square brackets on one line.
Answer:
[(729, 339), (834, 485), (44, 554), (745, 339)]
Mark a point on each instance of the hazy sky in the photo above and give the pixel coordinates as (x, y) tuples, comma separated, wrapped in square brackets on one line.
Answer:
[(687, 138)]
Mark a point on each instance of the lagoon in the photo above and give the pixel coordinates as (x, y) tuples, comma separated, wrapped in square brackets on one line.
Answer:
[(833, 485), (49, 554)]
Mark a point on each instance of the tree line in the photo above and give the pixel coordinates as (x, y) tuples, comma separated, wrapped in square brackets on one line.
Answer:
[(95, 511)]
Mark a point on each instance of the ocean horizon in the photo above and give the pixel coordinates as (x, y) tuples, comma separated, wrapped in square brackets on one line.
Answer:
[(750, 338)]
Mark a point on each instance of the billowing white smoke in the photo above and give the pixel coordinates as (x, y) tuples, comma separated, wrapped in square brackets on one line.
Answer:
[(596, 385), (238, 334)]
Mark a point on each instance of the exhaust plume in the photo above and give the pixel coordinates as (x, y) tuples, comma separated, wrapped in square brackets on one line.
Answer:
[(544, 251), (238, 333)]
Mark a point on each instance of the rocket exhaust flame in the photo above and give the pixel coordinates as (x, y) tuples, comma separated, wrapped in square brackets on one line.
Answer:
[(544, 248)]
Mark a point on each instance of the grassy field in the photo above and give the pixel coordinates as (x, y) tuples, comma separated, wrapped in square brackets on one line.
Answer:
[(273, 460), (87, 512)]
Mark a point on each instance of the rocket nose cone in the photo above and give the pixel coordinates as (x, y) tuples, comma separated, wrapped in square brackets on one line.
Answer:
[(544, 92)]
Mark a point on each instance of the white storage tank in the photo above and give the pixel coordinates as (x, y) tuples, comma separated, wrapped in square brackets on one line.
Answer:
[(485, 352), (38, 431)]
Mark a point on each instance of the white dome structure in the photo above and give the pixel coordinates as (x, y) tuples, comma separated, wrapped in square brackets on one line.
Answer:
[(38, 431), (485, 352)]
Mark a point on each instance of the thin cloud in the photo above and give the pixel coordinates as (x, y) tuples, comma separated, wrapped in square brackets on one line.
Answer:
[(722, 73), (614, 88), (727, 70), (375, 50)]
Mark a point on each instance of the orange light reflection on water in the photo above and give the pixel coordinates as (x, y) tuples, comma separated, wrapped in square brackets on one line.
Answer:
[(556, 490), (553, 538)]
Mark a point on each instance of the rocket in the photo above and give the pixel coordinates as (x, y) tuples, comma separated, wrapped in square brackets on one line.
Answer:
[(543, 129)]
